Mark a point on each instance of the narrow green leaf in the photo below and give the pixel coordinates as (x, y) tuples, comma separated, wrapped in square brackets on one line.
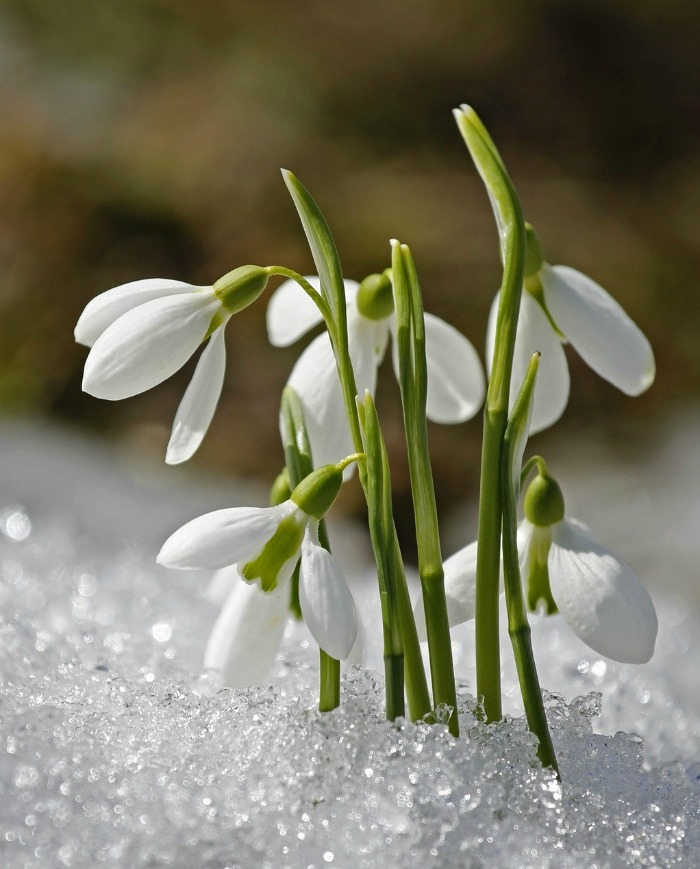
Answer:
[(322, 245)]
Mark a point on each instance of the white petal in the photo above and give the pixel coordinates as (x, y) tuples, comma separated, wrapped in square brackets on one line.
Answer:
[(247, 635), (526, 531), (315, 378), (535, 333), (199, 401), (326, 602), (223, 537), (221, 585), (602, 333), (148, 344), (104, 309), (456, 382), (291, 313), (600, 597)]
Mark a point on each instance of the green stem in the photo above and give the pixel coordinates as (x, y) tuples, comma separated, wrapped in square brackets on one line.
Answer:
[(299, 462), (416, 683), (325, 255), (315, 297), (511, 228), (410, 329), (519, 628), (329, 693)]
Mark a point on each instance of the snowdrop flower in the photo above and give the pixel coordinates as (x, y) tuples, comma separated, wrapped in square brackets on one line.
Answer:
[(596, 592), (565, 570), (265, 544), (143, 332), (560, 305), (455, 375)]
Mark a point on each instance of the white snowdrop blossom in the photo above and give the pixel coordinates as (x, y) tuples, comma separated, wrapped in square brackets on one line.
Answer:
[(596, 592), (455, 375), (565, 570), (265, 544), (142, 332), (560, 305)]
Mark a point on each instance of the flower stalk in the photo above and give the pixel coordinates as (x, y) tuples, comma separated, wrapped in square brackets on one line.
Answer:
[(518, 624), (385, 545), (299, 463), (414, 381), (511, 228)]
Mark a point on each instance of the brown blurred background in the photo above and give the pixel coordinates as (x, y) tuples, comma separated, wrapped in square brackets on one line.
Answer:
[(143, 138)]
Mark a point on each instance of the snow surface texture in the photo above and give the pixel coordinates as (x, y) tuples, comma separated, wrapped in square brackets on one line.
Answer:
[(117, 751)]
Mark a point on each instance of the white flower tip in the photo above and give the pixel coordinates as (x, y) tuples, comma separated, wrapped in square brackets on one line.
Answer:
[(176, 455), (82, 334), (394, 242)]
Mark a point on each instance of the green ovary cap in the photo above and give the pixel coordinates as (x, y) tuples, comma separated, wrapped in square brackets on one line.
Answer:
[(375, 298), (544, 501), (317, 492), (534, 257), (283, 546), (241, 287)]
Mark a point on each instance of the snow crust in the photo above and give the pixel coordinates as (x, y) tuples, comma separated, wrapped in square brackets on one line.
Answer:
[(115, 750)]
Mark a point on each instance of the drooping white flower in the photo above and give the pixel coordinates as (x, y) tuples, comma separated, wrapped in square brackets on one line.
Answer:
[(560, 305), (564, 570), (455, 375), (144, 331), (596, 592), (265, 544)]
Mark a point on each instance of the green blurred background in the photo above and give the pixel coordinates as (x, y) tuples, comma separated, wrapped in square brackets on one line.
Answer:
[(143, 138)]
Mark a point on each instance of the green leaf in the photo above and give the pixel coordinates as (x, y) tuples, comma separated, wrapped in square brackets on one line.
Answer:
[(518, 428), (323, 249)]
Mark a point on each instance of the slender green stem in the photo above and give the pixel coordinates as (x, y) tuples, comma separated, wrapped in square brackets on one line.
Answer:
[(329, 693), (511, 228), (327, 262), (518, 625), (299, 461), (381, 528), (410, 328), (416, 683), (315, 297)]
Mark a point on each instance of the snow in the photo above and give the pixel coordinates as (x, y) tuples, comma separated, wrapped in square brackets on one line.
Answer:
[(115, 750)]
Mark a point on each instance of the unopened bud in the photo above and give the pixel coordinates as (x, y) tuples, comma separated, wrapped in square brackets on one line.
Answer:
[(375, 298)]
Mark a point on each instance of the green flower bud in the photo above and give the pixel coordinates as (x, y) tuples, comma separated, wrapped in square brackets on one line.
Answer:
[(317, 492), (544, 501), (283, 546), (241, 287), (280, 489), (534, 257), (375, 298)]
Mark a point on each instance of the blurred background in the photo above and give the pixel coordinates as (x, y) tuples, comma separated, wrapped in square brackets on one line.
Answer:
[(143, 138)]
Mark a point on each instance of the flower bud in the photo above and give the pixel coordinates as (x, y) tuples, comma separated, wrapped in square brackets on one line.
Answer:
[(375, 298), (317, 492), (280, 489), (534, 257), (544, 501), (241, 287)]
